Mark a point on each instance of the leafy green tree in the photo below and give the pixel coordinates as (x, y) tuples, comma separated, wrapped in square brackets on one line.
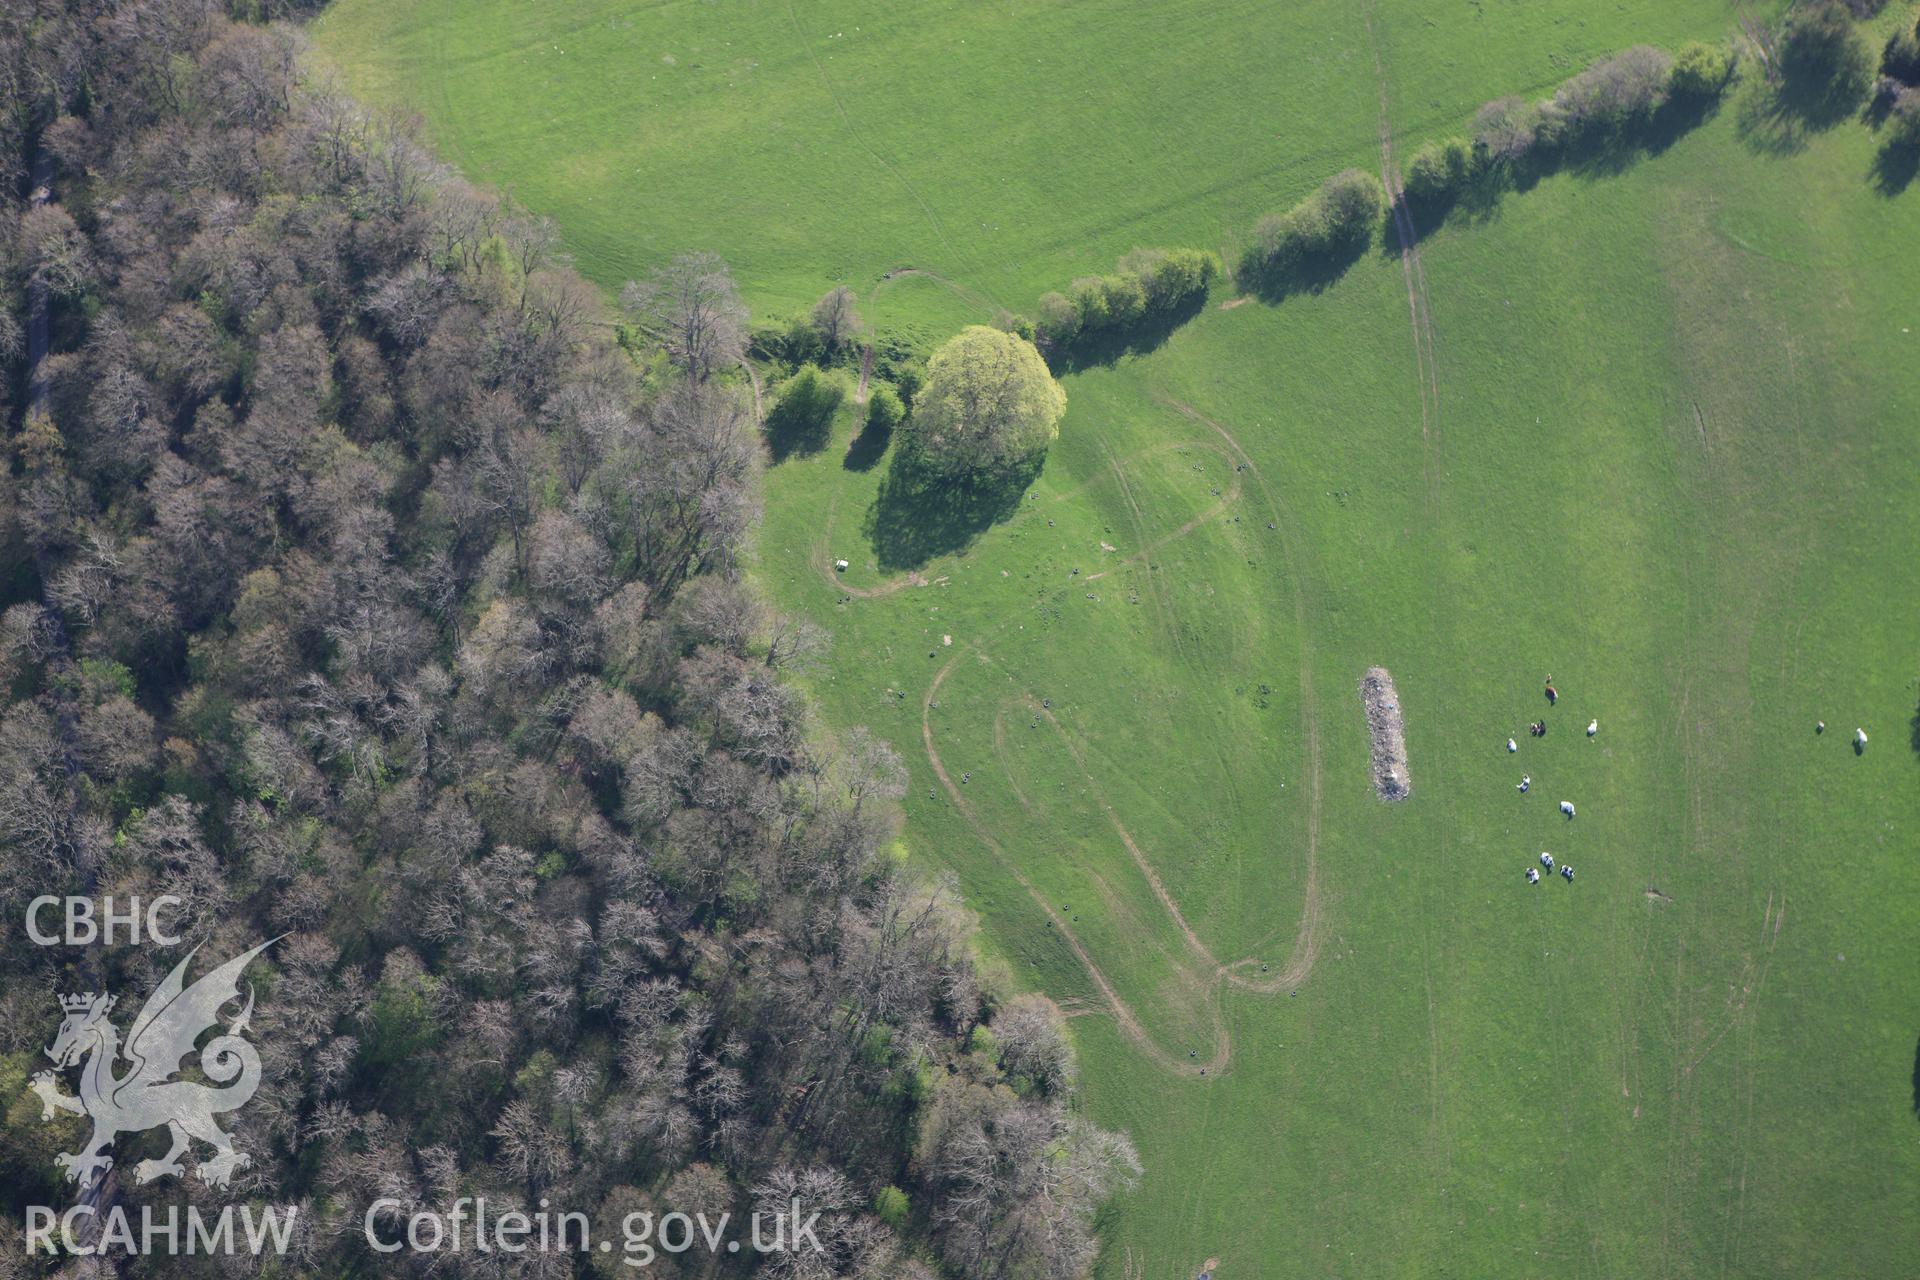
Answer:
[(884, 410), (1335, 222), (989, 405), (1439, 170), (802, 417), (1701, 71), (1823, 58), (1059, 317), (890, 1206)]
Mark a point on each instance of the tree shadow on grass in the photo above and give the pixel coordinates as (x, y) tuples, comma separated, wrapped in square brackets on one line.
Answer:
[(919, 514), (1275, 281), (868, 447), (1609, 153), (1894, 168), (1779, 119), (1596, 153), (1106, 346)]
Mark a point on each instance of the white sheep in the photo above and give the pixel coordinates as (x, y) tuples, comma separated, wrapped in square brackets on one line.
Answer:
[(1546, 860), (1593, 727), (1512, 745), (1859, 737), (1566, 807)]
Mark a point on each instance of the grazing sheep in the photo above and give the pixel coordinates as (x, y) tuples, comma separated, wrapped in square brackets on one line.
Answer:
[(1566, 807), (1593, 727), (1533, 876), (1859, 737), (1567, 871), (1512, 745), (1526, 780), (1546, 860)]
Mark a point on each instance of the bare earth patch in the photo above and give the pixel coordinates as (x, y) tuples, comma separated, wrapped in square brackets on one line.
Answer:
[(1389, 734)]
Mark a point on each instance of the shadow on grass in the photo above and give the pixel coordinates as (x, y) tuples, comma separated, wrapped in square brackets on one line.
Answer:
[(1916, 1080), (919, 514), (1275, 281), (1779, 119), (868, 447), (1894, 168), (1593, 154), (1914, 735), (1108, 346)]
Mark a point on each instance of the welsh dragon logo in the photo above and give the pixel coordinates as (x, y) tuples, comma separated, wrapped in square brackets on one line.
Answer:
[(146, 1095)]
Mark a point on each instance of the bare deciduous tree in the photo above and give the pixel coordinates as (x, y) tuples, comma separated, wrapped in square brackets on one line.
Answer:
[(834, 318), (691, 307)]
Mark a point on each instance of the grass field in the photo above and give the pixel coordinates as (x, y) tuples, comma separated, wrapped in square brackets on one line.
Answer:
[(1650, 432)]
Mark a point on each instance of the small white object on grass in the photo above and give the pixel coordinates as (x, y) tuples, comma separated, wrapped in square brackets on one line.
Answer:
[(1546, 860), (1533, 876), (1526, 780), (840, 565), (1593, 727), (1512, 745), (1566, 807), (1859, 737)]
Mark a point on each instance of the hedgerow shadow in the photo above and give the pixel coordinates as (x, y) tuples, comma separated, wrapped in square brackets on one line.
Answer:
[(1595, 153), (1608, 153), (1276, 281), (919, 514), (1106, 346)]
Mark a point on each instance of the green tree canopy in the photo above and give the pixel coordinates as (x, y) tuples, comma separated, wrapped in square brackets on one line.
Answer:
[(989, 404)]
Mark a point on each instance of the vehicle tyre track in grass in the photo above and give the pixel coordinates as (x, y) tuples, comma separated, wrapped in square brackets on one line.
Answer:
[(1415, 272), (1129, 1024), (1168, 626), (1427, 375), (1150, 546), (1217, 974), (1306, 942), (972, 297)]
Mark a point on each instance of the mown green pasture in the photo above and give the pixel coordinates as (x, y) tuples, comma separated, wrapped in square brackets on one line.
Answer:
[(1649, 429)]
